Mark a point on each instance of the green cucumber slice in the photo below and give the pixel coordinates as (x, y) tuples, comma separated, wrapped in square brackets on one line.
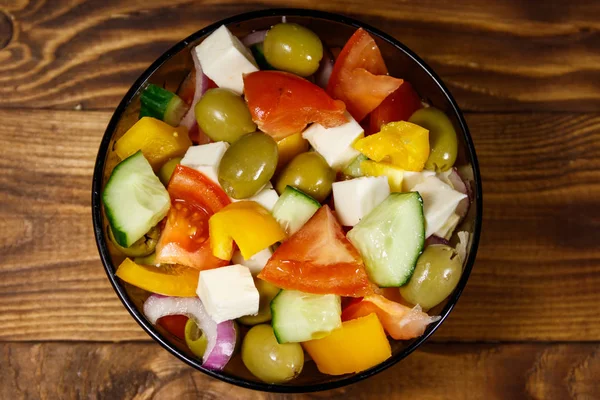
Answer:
[(293, 209), (134, 199), (353, 169), (391, 238), (162, 104), (298, 317)]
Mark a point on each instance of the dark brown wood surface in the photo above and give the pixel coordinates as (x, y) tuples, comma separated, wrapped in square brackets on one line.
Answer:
[(528, 75)]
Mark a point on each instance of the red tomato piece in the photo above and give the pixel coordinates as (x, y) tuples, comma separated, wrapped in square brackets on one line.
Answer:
[(399, 321), (398, 106), (359, 76), (282, 104), (318, 259), (174, 324), (184, 239)]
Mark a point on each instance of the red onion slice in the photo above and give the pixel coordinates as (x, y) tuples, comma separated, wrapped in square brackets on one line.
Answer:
[(433, 239), (325, 69), (189, 119), (221, 337), (254, 38)]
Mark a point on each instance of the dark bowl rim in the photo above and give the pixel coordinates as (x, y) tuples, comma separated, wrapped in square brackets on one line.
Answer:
[(149, 328)]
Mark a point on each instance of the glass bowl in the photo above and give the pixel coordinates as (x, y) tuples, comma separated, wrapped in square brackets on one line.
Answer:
[(171, 68)]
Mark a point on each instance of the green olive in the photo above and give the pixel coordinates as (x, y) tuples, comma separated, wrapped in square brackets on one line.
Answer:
[(308, 172), (248, 165), (293, 48), (436, 275), (195, 339), (223, 115), (143, 247), (268, 360), (267, 293), (442, 138), (165, 172)]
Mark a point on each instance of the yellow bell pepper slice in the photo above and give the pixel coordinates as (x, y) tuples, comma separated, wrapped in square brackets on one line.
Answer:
[(358, 345), (171, 280), (401, 143), (394, 174), (249, 224), (157, 140), (289, 147)]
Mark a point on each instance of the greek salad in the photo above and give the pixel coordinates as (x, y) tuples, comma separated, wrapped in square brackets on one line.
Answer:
[(289, 203)]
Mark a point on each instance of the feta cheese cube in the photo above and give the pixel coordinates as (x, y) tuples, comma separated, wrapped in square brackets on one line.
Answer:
[(225, 59), (256, 263), (439, 203), (206, 159), (356, 198), (266, 197), (335, 144), (412, 179), (228, 293)]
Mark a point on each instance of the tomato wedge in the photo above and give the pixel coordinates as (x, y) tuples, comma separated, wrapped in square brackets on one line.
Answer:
[(282, 104), (399, 321), (398, 106), (174, 324), (318, 259), (359, 76), (184, 239)]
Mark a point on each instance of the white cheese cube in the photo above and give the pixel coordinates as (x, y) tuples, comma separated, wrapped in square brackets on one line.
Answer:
[(266, 197), (256, 263), (225, 59), (439, 203), (356, 198), (206, 158), (412, 179), (335, 144), (228, 293)]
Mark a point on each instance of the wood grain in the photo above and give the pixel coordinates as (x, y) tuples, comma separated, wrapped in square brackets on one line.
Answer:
[(144, 371), (536, 276), (494, 56)]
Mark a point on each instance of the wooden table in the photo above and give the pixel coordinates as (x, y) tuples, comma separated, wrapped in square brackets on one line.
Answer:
[(526, 73)]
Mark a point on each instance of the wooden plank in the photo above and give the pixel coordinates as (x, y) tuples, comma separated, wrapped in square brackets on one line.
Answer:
[(494, 56), (536, 276), (438, 371)]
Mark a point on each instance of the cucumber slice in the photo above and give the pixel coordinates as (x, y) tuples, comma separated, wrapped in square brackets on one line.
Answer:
[(353, 169), (293, 209), (259, 56), (134, 199), (391, 238), (298, 316), (159, 103)]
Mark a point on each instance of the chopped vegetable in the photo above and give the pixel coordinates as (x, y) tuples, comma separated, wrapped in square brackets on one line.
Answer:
[(358, 345), (289, 147), (442, 138), (298, 316), (134, 200), (174, 324), (157, 140), (353, 169), (318, 259), (258, 52), (293, 209), (162, 104), (394, 174), (168, 280), (247, 223), (398, 106), (399, 321), (268, 360), (390, 239), (282, 104), (221, 338), (184, 239), (359, 76), (402, 144)]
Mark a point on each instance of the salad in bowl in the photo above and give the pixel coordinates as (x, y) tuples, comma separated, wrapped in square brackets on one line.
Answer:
[(292, 208)]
